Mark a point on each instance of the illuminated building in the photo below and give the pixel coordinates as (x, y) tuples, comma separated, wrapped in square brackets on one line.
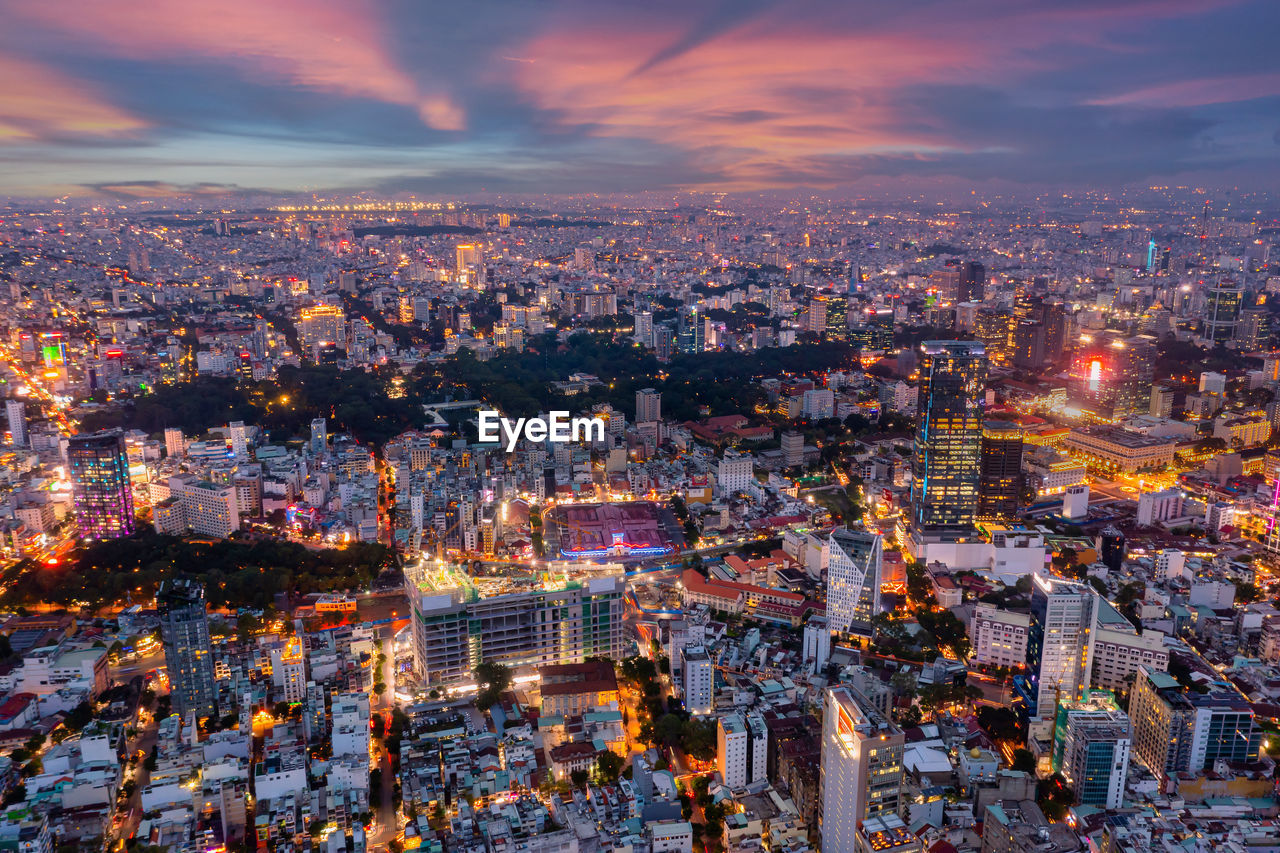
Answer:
[(100, 476), (1176, 730), (456, 626), (837, 319), (1222, 312), (1029, 344), (875, 329), (322, 324), (691, 335), (188, 656), (1059, 644), (16, 412), (995, 329), (815, 318), (861, 770), (1111, 450), (1112, 375), (1095, 755), (946, 467), (853, 560), (999, 636), (1000, 486), (971, 284)]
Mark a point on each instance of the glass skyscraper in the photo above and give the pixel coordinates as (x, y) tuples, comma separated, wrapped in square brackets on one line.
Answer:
[(946, 468), (100, 475)]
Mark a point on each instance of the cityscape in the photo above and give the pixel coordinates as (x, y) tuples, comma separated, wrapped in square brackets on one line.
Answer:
[(639, 430)]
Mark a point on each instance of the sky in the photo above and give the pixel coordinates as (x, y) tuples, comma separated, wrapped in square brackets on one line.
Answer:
[(416, 97)]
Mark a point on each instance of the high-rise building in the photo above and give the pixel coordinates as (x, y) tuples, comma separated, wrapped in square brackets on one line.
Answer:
[(648, 406), (815, 318), (174, 442), (466, 256), (642, 333), (319, 435), (853, 559), (972, 283), (188, 655), (1176, 730), (1095, 756), (1112, 375), (946, 467), (320, 325), (735, 473), (1029, 344), (1000, 487), (698, 680), (16, 410), (742, 749), (1059, 645), (1222, 311), (99, 467), (691, 333), (792, 448), (837, 318), (861, 770), (995, 328), (239, 442)]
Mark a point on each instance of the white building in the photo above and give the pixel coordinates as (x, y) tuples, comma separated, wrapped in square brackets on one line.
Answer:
[(999, 636), (1066, 655), (699, 680), (1170, 563), (670, 836), (239, 442), (734, 473), (1117, 654), (852, 559), (861, 768), (1095, 756), (16, 411), (1154, 507), (350, 714), (817, 643), (742, 749), (174, 443), (648, 406), (819, 403), (208, 509)]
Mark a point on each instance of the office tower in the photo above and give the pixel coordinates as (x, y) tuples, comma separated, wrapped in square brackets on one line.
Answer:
[(188, 656), (648, 406), (664, 342), (1095, 755), (321, 324), (792, 448), (946, 467), (1112, 375), (816, 316), (1000, 486), (1053, 316), (100, 478), (691, 335), (239, 443), (16, 410), (1222, 312), (1254, 329), (995, 328), (853, 559), (972, 282), (466, 256), (1059, 645), (319, 435), (174, 442), (837, 319), (1029, 344), (1161, 401), (698, 680), (1176, 730), (861, 770), (643, 331)]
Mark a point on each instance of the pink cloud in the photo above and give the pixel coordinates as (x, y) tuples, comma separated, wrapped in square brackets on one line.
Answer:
[(1196, 93), (37, 103), (326, 46)]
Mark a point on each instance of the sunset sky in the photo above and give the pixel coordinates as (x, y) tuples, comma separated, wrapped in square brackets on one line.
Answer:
[(406, 96)]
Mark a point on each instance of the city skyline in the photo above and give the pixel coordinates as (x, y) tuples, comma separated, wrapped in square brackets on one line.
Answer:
[(158, 99)]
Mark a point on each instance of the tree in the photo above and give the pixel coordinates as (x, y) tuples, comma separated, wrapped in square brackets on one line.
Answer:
[(609, 766), (1024, 760), (493, 679), (579, 778)]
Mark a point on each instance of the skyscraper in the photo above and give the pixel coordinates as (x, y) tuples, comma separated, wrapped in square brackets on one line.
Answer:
[(691, 335), (1059, 644), (837, 318), (16, 410), (1095, 756), (321, 324), (861, 771), (239, 444), (188, 655), (1222, 311), (1112, 375), (853, 579), (1000, 486), (972, 284), (946, 466), (174, 442), (100, 478)]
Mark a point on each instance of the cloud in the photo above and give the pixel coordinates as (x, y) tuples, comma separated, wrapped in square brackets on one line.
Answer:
[(40, 104), (336, 47), (163, 189)]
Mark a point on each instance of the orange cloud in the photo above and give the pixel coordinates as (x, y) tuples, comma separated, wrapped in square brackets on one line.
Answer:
[(750, 102), (37, 103), (331, 47)]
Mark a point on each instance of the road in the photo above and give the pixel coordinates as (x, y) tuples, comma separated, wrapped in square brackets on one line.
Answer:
[(388, 820)]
